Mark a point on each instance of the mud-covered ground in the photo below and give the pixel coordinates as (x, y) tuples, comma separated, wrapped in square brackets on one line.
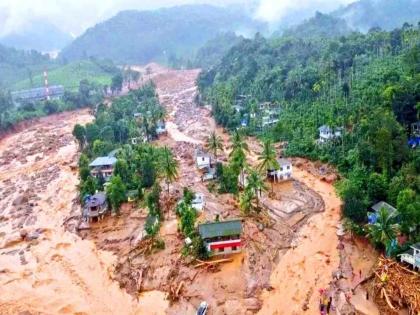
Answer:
[(290, 250), (43, 268), (233, 287)]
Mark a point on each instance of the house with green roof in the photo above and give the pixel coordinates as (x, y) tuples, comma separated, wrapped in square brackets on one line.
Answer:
[(221, 237)]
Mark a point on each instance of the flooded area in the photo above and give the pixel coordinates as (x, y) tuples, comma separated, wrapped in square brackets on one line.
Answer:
[(290, 249)]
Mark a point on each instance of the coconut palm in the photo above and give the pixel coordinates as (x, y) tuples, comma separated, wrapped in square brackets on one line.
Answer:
[(237, 155), (214, 143), (385, 229), (238, 143), (169, 166), (255, 184), (245, 201), (268, 158)]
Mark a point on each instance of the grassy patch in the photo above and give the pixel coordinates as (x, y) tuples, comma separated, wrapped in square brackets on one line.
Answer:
[(69, 76)]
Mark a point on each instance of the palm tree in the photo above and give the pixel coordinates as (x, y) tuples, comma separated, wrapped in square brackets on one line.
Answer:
[(169, 166), (245, 201), (238, 143), (384, 230), (214, 143), (268, 158), (237, 155), (255, 184)]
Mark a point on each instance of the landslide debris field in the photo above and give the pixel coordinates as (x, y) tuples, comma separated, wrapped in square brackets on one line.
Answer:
[(45, 264)]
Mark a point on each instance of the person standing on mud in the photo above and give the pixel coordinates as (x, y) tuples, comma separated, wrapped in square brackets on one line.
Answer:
[(329, 305)]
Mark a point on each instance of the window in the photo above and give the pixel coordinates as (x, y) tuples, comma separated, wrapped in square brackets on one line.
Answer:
[(221, 250), (281, 168), (288, 167), (202, 158), (234, 248)]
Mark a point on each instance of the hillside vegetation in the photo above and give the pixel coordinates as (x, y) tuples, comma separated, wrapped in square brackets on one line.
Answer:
[(366, 84), (70, 75), (16, 65), (161, 35)]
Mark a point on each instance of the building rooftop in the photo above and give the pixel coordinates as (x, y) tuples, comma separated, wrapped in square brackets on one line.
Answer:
[(96, 200), (103, 161), (222, 228), (201, 153), (38, 93), (324, 129), (416, 246), (382, 204), (283, 161)]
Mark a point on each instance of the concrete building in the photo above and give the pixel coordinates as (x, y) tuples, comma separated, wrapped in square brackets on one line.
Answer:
[(198, 202), (95, 207), (222, 237), (202, 159), (412, 256), (284, 171), (326, 133), (103, 166), (38, 94)]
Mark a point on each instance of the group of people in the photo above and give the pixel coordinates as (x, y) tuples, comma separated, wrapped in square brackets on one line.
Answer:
[(325, 302)]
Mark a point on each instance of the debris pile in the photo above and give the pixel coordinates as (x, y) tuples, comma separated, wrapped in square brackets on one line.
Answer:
[(397, 285)]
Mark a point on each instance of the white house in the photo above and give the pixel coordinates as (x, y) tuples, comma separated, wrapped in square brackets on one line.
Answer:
[(284, 171), (209, 174), (160, 128), (198, 202), (202, 159), (327, 133), (412, 256)]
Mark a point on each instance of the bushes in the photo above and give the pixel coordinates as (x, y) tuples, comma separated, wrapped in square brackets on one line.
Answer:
[(228, 179), (116, 193)]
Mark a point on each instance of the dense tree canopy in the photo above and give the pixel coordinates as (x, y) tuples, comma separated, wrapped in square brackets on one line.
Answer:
[(365, 85)]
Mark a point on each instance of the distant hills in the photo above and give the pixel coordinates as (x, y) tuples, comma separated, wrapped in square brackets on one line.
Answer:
[(358, 16), (40, 35), (143, 36), (386, 14), (321, 25)]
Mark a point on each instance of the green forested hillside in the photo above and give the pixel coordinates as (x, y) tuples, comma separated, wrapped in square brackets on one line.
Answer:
[(321, 25), (16, 65), (213, 51), (367, 84), (160, 35)]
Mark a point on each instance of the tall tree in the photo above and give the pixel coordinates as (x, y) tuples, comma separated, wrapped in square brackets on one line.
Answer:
[(169, 166), (116, 193), (237, 155), (79, 132), (214, 143), (255, 184), (268, 159), (385, 229)]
